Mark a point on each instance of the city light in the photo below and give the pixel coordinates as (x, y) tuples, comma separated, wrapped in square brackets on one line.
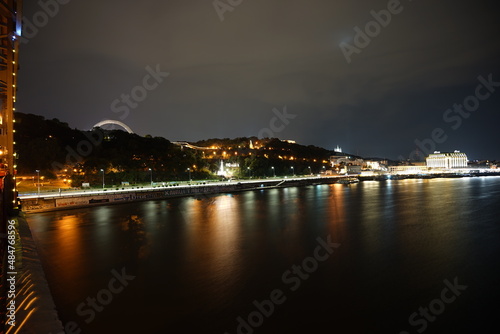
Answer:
[(38, 183), (102, 170)]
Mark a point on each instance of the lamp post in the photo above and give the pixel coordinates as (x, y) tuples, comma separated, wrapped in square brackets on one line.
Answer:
[(249, 172), (151, 176), (310, 171), (102, 170), (38, 183), (274, 173), (293, 171), (189, 170)]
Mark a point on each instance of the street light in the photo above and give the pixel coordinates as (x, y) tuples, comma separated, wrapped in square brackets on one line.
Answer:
[(310, 171), (38, 183), (293, 171), (189, 170), (248, 169), (102, 170), (151, 176), (274, 173)]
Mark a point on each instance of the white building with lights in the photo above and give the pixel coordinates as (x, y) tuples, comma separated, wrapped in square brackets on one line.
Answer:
[(447, 160)]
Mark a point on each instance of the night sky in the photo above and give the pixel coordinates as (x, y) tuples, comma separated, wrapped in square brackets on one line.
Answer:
[(226, 76)]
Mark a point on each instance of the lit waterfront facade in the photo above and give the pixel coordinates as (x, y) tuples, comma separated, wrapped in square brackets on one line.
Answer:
[(10, 17), (447, 160), (408, 169)]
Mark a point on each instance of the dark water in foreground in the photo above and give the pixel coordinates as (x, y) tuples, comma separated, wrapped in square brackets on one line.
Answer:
[(199, 264)]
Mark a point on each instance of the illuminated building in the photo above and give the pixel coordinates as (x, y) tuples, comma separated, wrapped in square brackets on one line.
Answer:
[(376, 165), (11, 17), (345, 160), (408, 169), (221, 171), (447, 160)]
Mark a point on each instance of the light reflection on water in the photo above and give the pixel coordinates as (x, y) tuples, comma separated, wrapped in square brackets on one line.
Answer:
[(201, 262)]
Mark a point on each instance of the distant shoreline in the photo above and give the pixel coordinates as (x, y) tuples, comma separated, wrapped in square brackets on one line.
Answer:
[(57, 202)]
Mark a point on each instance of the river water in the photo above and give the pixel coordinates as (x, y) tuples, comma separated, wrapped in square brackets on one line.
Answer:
[(406, 256)]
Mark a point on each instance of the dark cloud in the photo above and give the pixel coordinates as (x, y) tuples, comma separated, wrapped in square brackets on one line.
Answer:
[(226, 77)]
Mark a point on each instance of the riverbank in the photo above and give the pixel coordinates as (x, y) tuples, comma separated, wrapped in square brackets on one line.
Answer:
[(54, 202), (62, 201)]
